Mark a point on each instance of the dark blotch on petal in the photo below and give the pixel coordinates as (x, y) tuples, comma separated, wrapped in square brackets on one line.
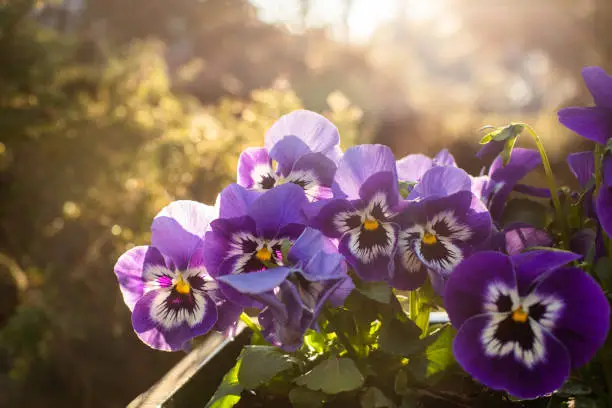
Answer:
[(434, 252), (267, 182), (504, 304), (441, 228), (353, 222), (510, 331), (371, 238)]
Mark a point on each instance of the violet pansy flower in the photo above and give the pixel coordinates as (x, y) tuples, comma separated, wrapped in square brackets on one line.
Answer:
[(294, 293), (251, 229), (171, 295), (366, 198), (305, 146), (525, 320), (411, 168), (443, 224), (595, 122)]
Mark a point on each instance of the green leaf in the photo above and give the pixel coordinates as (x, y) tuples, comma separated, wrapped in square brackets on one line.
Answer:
[(499, 134), (374, 398), (440, 353), (410, 401), (260, 364), (603, 271), (332, 376), (400, 337), (229, 391), (400, 384), (585, 402), (301, 397), (526, 211), (378, 291), (508, 147), (573, 388), (315, 341)]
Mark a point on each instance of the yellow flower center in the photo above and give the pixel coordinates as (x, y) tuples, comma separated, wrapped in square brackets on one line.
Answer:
[(182, 286), (429, 238), (264, 254), (519, 315), (370, 224)]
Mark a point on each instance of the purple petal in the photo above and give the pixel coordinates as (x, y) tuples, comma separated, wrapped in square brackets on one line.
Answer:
[(599, 84), (234, 201), (442, 181), (315, 132), (585, 316), (383, 182), (519, 236), (409, 273), (358, 164), (603, 207), (159, 337), (378, 269), (533, 265), (341, 292), (216, 244), (257, 282), (467, 286), (582, 165), (593, 123), (506, 373), (412, 167), (179, 227), (315, 173), (284, 322), (324, 221), (277, 208), (254, 164), (491, 150), (583, 240), (309, 244), (286, 153), (228, 316), (130, 268), (444, 158), (607, 171)]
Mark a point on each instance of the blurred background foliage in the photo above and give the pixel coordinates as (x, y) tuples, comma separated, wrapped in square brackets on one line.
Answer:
[(110, 109)]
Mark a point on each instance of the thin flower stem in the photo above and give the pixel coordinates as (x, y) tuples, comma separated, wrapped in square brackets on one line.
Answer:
[(346, 343), (599, 151), (552, 184), (246, 319)]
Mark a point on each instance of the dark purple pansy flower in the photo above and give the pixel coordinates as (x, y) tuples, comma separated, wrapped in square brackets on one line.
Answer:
[(525, 320), (248, 235), (305, 146), (166, 286), (411, 168), (436, 233), (293, 294), (366, 198), (495, 188), (595, 122), (603, 203)]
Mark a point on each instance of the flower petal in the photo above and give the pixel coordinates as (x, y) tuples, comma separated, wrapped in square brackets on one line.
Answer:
[(441, 181), (603, 203), (533, 265), (444, 158), (179, 227), (592, 123), (235, 200), (599, 84), (130, 270), (159, 337), (315, 174), (285, 321), (309, 243), (467, 286), (358, 164), (277, 208), (490, 150), (505, 372), (412, 167), (257, 282), (374, 263), (520, 236), (585, 317), (582, 165), (341, 292), (409, 272), (255, 169), (228, 316)]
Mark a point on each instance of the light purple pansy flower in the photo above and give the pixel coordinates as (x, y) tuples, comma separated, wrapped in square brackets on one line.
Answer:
[(305, 146), (294, 293), (437, 232), (595, 122), (411, 168), (171, 295), (525, 320), (366, 198), (248, 235)]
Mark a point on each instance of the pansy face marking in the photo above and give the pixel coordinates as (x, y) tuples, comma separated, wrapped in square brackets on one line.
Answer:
[(516, 324), (182, 295), (371, 232), (432, 242), (254, 253), (265, 179)]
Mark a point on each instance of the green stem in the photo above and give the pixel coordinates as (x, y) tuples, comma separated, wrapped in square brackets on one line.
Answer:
[(246, 319), (346, 343), (552, 184)]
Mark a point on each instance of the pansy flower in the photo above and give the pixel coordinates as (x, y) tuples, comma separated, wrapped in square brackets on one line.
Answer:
[(305, 147), (411, 168), (603, 203), (250, 231), (444, 224), (294, 293), (595, 122), (525, 320), (171, 295), (366, 198)]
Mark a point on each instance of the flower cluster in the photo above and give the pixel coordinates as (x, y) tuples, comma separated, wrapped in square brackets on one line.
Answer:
[(306, 224)]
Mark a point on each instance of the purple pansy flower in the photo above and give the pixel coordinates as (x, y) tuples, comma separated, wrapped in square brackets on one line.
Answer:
[(248, 235), (595, 122), (436, 233), (366, 198), (294, 293), (603, 203), (166, 286), (525, 320), (305, 146), (411, 168)]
